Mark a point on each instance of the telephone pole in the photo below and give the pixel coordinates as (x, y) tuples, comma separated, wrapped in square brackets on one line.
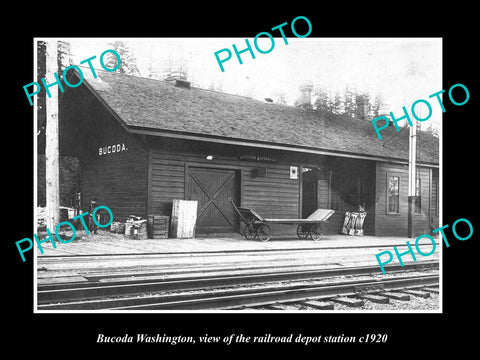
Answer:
[(51, 146)]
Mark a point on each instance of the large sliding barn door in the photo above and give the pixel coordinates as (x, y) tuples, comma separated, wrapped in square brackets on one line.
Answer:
[(213, 188)]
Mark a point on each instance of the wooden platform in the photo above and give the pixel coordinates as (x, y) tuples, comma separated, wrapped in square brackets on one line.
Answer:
[(109, 243)]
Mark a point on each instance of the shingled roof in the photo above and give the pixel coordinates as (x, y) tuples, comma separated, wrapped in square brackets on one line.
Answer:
[(159, 106)]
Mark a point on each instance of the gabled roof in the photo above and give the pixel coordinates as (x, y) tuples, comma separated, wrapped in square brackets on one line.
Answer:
[(159, 107)]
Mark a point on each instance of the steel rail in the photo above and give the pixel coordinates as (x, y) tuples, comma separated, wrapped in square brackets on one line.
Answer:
[(101, 297), (277, 296), (234, 298), (85, 290)]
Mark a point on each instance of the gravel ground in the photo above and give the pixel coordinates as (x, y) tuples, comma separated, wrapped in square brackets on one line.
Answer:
[(415, 303)]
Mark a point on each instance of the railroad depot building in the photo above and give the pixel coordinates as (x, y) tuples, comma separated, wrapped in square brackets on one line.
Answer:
[(142, 143)]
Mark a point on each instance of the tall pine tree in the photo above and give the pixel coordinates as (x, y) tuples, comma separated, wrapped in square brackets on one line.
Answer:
[(352, 102), (128, 63)]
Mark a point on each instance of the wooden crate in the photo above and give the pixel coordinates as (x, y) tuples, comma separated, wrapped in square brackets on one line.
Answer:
[(158, 226)]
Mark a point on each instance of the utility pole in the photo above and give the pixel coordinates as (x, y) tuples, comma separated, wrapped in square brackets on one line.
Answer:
[(51, 146), (412, 178)]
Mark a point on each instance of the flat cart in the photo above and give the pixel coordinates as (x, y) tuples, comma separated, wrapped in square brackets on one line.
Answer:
[(255, 226)]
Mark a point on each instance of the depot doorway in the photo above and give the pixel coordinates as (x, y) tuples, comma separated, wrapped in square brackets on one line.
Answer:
[(213, 188), (309, 190)]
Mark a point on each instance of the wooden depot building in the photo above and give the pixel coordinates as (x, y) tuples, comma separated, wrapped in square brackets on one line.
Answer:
[(142, 143)]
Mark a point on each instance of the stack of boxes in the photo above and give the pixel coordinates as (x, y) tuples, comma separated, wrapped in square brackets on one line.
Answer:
[(158, 226)]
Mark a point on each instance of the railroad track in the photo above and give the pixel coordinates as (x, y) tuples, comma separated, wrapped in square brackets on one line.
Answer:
[(227, 291)]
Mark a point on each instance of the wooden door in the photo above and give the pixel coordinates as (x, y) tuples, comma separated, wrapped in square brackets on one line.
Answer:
[(213, 189), (309, 191)]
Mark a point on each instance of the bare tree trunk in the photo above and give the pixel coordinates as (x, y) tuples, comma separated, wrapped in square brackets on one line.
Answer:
[(51, 146)]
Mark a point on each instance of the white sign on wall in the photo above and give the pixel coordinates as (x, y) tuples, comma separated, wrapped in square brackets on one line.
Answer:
[(111, 149), (293, 172)]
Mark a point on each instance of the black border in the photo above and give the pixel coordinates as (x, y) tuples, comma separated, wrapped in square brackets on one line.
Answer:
[(408, 333)]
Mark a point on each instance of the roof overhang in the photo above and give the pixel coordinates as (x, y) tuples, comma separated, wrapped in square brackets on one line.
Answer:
[(245, 142), (264, 145)]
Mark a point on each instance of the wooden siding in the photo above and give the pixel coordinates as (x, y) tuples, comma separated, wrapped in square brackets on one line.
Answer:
[(435, 204), (117, 179), (323, 194), (167, 182), (396, 224), (273, 196)]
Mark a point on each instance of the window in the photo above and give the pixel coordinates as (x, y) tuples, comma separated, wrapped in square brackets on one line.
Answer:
[(393, 195), (418, 196)]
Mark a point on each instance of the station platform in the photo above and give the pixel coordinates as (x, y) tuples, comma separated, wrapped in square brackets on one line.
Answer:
[(107, 255), (104, 243)]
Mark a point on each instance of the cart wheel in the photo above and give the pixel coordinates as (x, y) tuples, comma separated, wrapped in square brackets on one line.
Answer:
[(249, 232), (263, 232), (302, 233), (316, 232)]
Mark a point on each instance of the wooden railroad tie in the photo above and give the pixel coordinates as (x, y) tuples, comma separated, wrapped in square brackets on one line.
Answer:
[(279, 306), (418, 293), (396, 296), (375, 298), (352, 302), (321, 305), (432, 290)]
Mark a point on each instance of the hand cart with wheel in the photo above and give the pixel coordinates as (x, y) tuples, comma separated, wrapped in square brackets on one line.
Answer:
[(255, 226)]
